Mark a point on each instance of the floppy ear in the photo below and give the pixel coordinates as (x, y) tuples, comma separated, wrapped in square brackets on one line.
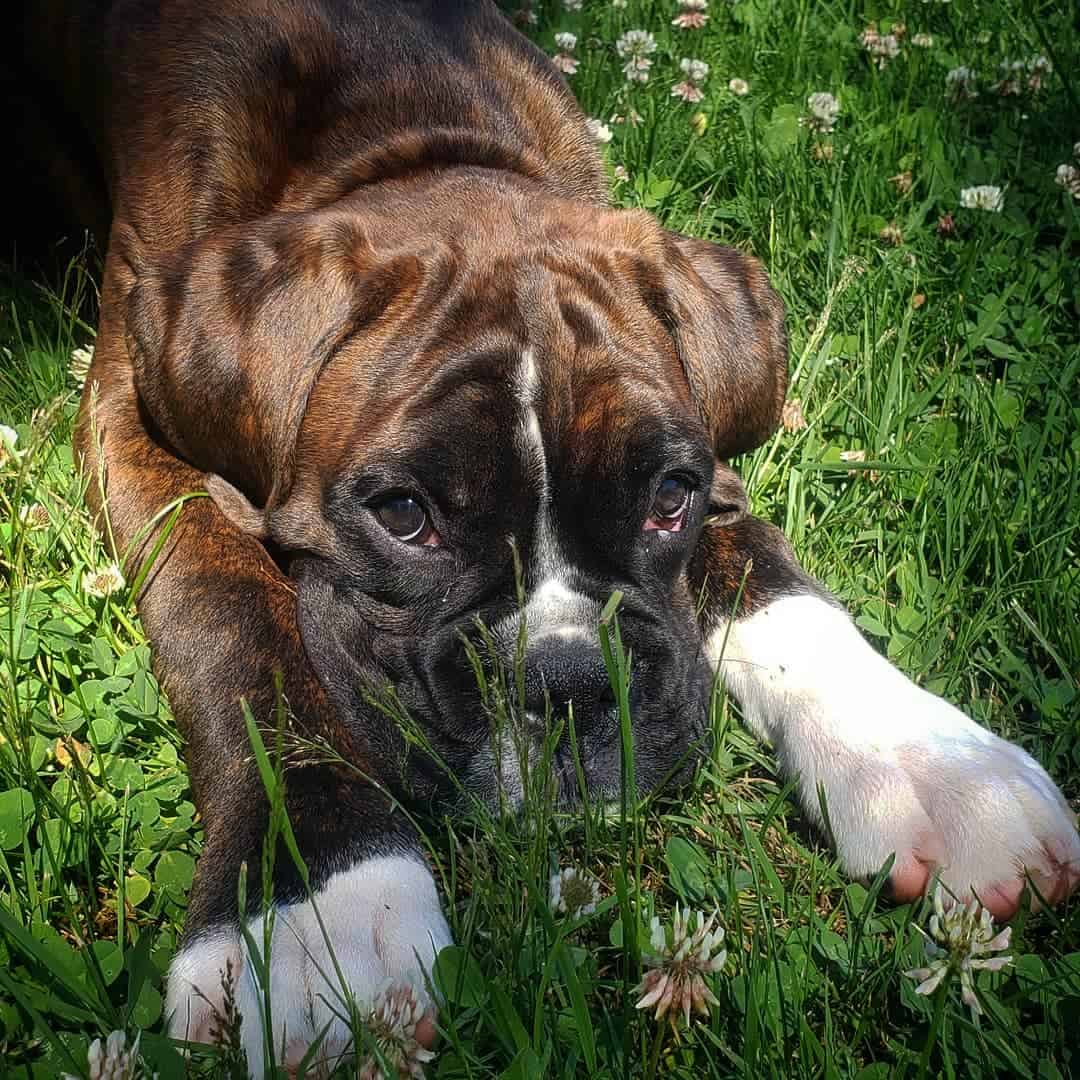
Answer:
[(728, 326), (229, 336)]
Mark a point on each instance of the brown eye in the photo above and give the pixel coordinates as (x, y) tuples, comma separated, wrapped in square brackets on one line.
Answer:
[(670, 503), (404, 518)]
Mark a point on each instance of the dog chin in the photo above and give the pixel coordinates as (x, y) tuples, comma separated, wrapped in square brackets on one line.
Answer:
[(514, 771)]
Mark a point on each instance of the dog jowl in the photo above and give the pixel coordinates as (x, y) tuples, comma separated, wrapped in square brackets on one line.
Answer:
[(374, 302)]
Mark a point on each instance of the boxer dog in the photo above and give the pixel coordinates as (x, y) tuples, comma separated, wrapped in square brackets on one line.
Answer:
[(364, 288)]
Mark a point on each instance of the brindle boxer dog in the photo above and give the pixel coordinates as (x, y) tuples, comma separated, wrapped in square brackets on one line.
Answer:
[(364, 287)]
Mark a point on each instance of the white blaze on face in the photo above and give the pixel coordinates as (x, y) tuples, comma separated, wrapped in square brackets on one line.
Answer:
[(530, 438), (553, 607)]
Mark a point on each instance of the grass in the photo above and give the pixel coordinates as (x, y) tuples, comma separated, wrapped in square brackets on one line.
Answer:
[(950, 362)]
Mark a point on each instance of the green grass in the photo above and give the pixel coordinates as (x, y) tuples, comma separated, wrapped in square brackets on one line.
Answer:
[(952, 363)]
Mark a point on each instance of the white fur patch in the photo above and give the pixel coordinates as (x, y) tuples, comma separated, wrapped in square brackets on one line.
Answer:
[(383, 921), (530, 437), (902, 770), (553, 606)]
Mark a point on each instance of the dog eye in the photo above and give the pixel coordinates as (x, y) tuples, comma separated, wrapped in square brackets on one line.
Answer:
[(406, 520), (670, 503)]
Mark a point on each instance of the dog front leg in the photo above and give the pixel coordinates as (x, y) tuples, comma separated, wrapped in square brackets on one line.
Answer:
[(902, 772), (222, 619)]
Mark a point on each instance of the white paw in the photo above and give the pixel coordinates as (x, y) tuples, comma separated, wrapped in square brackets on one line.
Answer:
[(955, 800), (384, 923), (903, 772)]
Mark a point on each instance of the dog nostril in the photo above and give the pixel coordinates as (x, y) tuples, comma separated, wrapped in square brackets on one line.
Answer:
[(566, 672)]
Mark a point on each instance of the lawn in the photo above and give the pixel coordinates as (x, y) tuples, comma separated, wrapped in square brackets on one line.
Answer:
[(904, 172)]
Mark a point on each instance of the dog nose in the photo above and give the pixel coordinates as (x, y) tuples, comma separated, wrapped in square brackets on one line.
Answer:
[(567, 670)]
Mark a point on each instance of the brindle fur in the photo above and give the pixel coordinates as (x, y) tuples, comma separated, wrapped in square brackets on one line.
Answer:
[(324, 213)]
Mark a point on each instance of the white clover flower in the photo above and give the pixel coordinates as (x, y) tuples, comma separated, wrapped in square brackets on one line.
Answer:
[(983, 197), (1076, 150), (636, 43), (923, 41), (903, 182), (573, 892), (692, 15), (961, 939), (392, 1024), (620, 173), (696, 71), (566, 41), (35, 517), (111, 1060), (791, 417), (566, 63), (79, 367), (739, 87), (104, 582), (688, 92), (636, 69), (960, 84), (824, 109), (573, 5), (9, 440), (892, 234), (883, 47), (679, 964), (1068, 176), (598, 130), (1039, 67), (1010, 83)]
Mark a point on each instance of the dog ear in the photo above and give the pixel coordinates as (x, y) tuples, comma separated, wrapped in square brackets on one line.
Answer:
[(728, 326), (727, 496), (229, 336), (237, 507)]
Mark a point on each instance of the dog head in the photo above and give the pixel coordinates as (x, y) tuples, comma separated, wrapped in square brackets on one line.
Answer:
[(476, 433)]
